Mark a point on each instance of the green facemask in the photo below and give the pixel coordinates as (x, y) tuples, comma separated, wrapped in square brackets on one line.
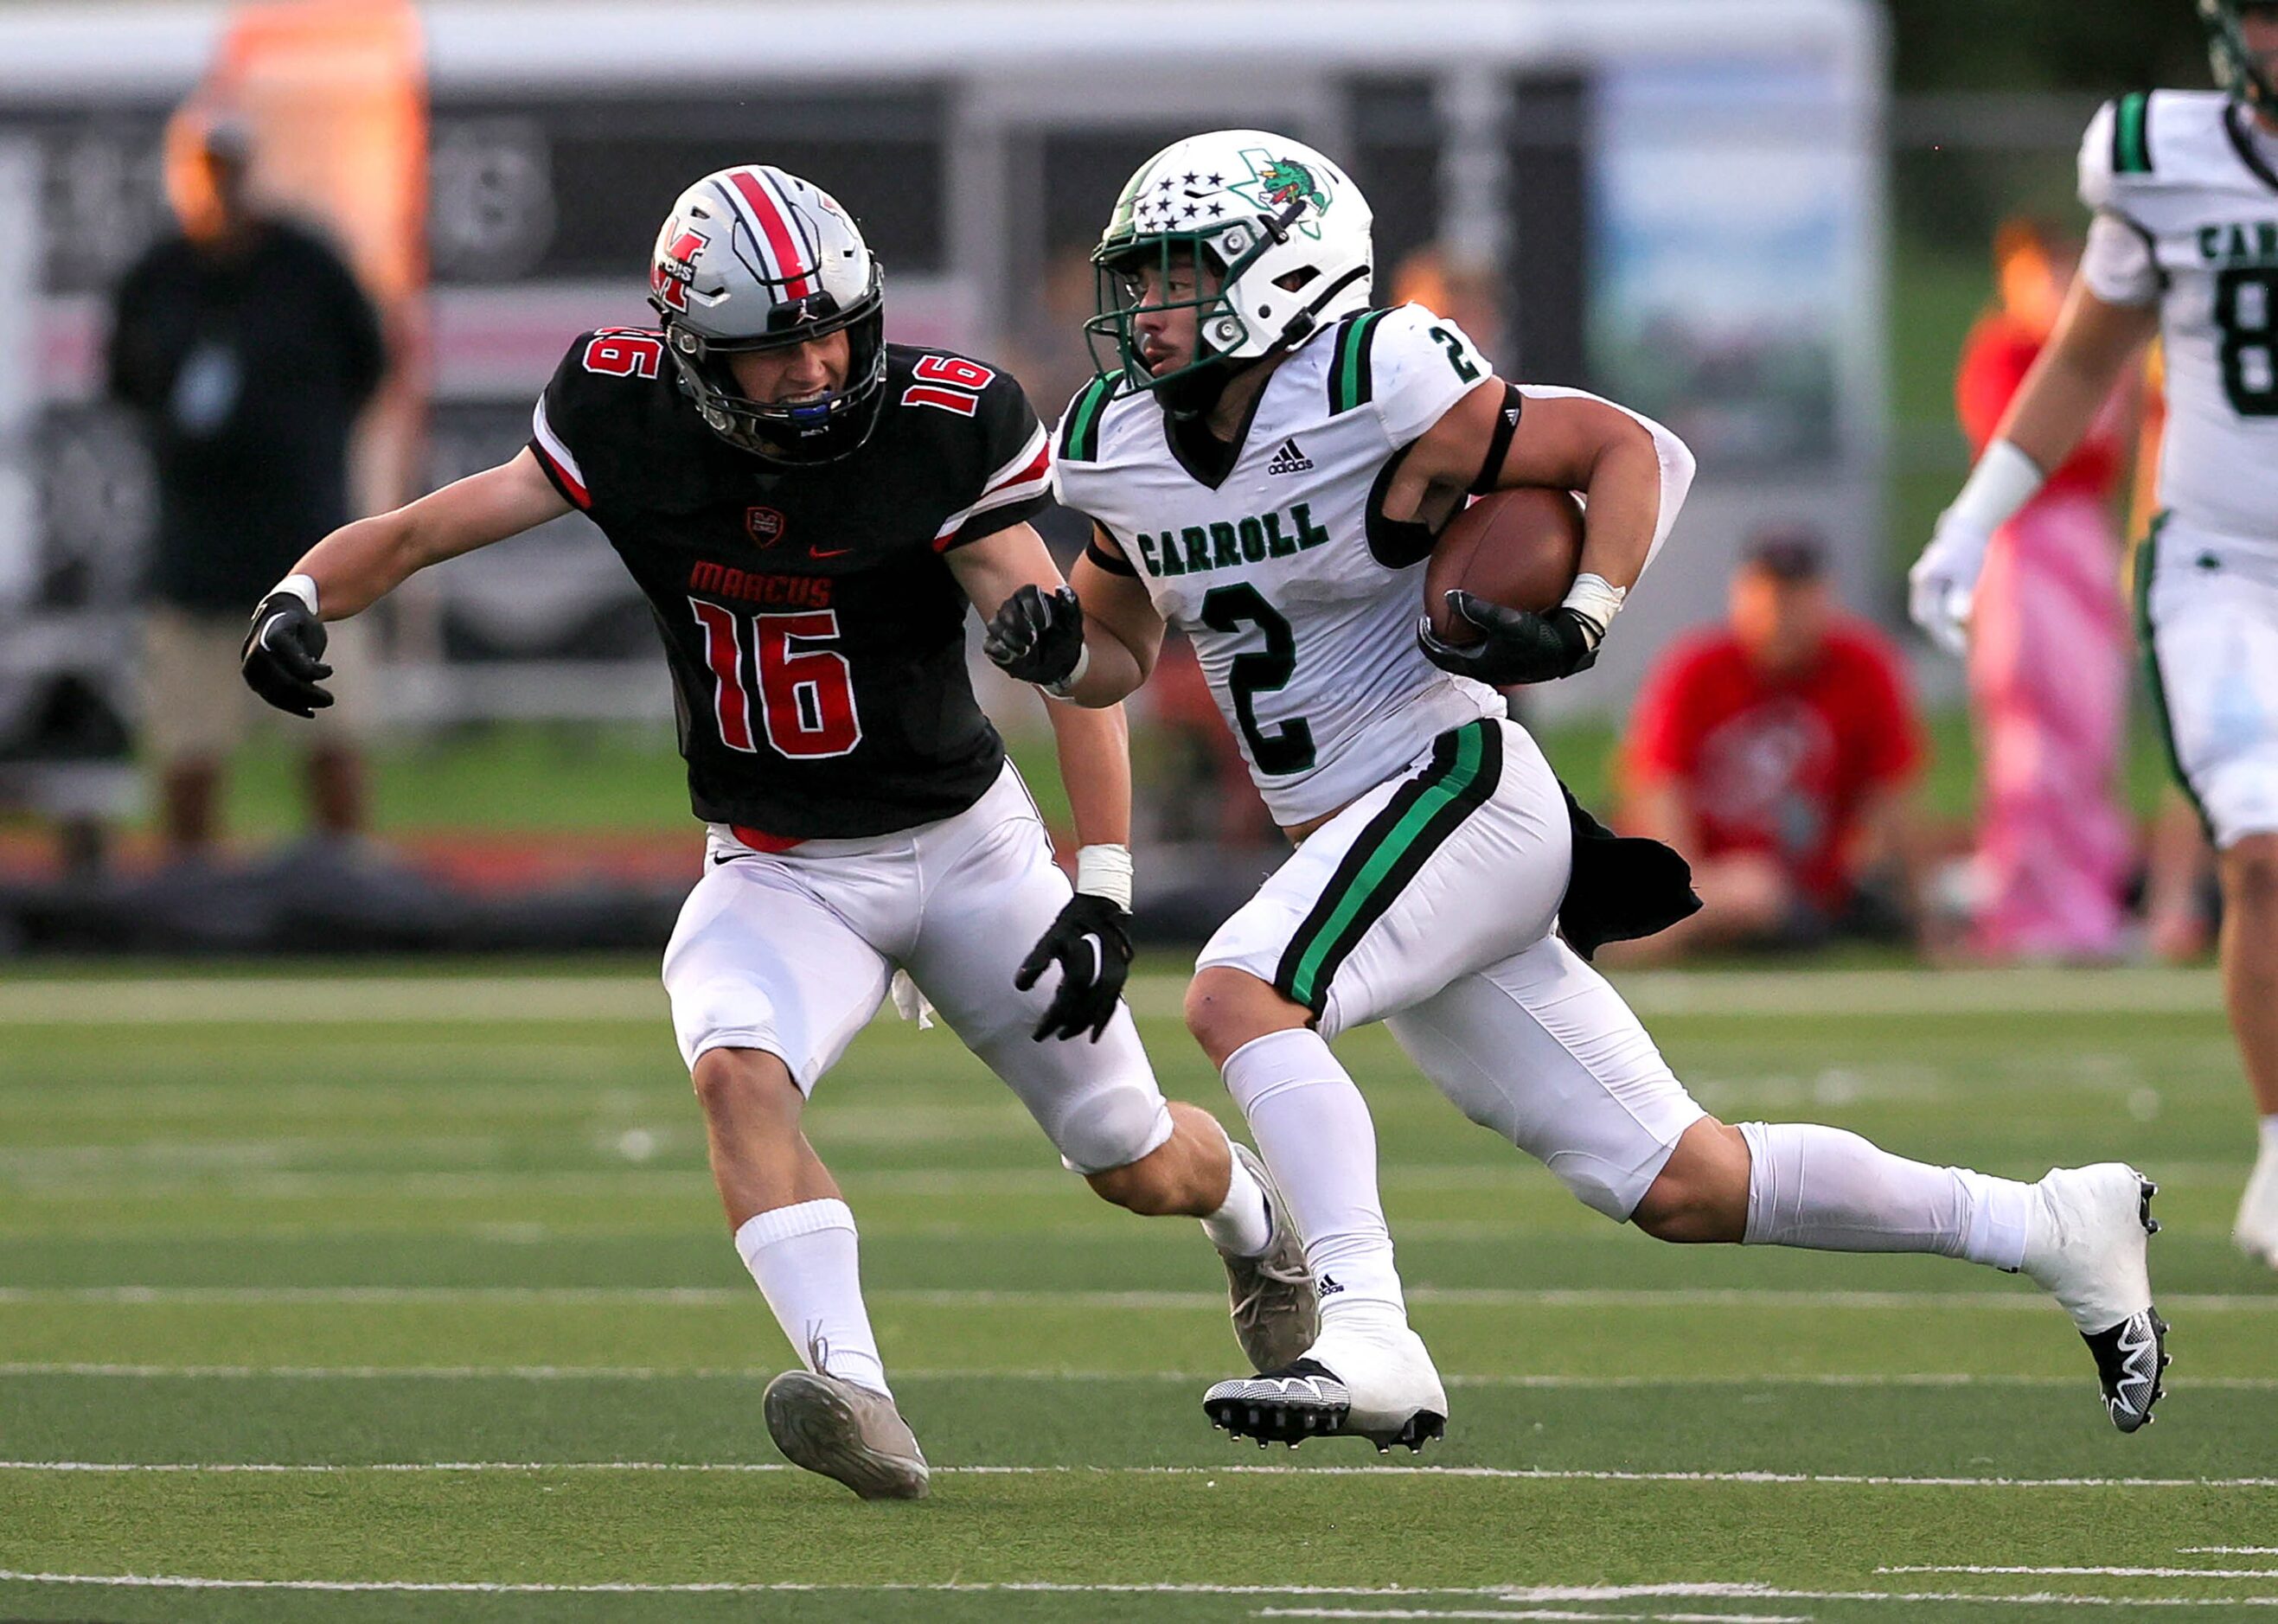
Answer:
[(2236, 68)]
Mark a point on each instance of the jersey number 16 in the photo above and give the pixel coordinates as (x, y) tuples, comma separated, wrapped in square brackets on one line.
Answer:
[(805, 693)]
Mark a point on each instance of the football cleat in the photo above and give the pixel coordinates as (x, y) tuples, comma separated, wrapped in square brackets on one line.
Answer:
[(847, 1432), (2256, 1231), (1383, 1388), (1275, 1314), (2087, 1247)]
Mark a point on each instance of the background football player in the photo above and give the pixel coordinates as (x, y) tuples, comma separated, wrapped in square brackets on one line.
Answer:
[(2183, 245), (809, 511), (1266, 460)]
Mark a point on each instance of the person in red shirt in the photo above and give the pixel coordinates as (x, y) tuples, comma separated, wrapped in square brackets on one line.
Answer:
[(1778, 754), (2048, 650)]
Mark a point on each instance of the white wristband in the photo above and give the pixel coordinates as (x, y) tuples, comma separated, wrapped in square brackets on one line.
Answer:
[(300, 586), (1597, 599), (1064, 688), (1105, 871), (2003, 482)]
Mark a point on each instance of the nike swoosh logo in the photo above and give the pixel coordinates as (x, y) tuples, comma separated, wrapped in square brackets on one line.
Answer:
[(829, 552), (731, 857)]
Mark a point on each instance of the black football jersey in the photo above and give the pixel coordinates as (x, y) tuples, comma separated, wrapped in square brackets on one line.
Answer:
[(816, 633)]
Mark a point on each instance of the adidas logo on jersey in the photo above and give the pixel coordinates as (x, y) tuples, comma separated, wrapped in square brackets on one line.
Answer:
[(1289, 460)]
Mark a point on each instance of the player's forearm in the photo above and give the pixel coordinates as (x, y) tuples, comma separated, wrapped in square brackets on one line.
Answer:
[(360, 562), (1112, 672), (1624, 494), (1095, 759), (2055, 406), (2073, 377)]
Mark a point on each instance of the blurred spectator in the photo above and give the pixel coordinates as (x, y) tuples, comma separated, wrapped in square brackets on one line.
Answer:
[(1779, 755), (2048, 647), (246, 349)]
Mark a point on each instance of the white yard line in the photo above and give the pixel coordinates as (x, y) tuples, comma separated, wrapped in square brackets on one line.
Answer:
[(1514, 1596), (703, 1296), (1493, 1473), (761, 1373), (431, 1001), (1546, 1615), (2095, 1573)]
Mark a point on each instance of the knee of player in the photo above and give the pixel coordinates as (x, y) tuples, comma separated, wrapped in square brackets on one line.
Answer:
[(1702, 1192), (1228, 1008), (1144, 1187), (1111, 1137), (2250, 872), (738, 1082)]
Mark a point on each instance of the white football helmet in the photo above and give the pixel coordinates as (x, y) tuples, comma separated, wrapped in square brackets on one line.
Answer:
[(752, 258), (1283, 232)]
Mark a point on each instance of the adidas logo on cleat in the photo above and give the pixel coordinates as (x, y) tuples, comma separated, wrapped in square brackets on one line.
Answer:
[(1289, 460)]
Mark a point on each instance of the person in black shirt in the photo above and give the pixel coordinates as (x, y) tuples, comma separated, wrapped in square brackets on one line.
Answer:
[(245, 347), (810, 512)]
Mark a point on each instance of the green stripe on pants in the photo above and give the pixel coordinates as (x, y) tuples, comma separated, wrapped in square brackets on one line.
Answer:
[(1383, 859)]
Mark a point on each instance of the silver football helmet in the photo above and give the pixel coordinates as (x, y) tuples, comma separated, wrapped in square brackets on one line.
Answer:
[(753, 259)]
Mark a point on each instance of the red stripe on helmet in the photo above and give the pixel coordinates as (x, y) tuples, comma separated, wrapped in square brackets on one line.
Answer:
[(783, 242)]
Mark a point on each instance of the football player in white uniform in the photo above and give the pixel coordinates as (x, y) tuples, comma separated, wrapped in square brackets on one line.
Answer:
[(1266, 459), (2183, 245)]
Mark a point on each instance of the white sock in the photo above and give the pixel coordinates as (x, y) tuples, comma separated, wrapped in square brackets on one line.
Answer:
[(1313, 1129), (1242, 1227), (2270, 1137), (804, 1259), (1831, 1191)]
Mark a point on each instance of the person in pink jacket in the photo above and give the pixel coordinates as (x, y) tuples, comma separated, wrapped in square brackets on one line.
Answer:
[(2048, 659)]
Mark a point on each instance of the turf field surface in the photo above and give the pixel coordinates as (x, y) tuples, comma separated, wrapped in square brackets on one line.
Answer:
[(405, 1296)]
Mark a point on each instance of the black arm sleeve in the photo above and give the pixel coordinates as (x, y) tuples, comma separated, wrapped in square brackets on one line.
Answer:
[(1506, 425), (1113, 562)]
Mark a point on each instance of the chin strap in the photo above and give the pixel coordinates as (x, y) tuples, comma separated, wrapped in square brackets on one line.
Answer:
[(1301, 325), (1295, 331)]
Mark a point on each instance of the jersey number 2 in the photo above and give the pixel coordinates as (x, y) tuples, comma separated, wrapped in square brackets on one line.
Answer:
[(1290, 747), (2246, 310), (805, 693)]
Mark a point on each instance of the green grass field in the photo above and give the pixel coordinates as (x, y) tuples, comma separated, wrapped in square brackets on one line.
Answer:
[(404, 1296)]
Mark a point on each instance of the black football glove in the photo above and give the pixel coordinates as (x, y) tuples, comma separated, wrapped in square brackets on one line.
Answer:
[(1517, 645), (1091, 944), (283, 656), (1036, 638)]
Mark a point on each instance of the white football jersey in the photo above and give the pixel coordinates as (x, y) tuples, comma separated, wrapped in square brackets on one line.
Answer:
[(1300, 601), (2186, 193)]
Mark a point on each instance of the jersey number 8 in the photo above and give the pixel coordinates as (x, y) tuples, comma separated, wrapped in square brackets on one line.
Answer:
[(2246, 310), (806, 694)]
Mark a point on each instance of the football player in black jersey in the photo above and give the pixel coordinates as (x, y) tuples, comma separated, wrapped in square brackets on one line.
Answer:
[(810, 511)]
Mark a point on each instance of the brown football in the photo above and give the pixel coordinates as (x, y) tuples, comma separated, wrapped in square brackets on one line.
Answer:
[(1520, 548)]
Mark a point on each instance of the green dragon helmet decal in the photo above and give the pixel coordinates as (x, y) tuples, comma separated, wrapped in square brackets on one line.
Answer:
[(1282, 181), (1265, 238)]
